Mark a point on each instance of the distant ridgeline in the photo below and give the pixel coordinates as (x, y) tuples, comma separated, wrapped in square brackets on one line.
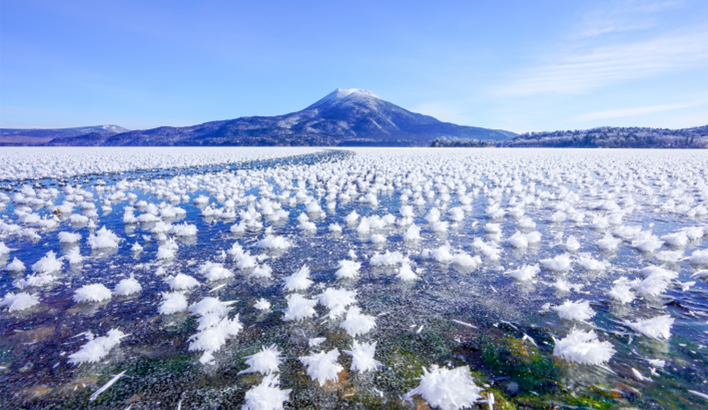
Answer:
[(603, 137), (39, 136)]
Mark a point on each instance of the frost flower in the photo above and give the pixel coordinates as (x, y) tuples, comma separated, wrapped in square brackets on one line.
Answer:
[(447, 389), (583, 347)]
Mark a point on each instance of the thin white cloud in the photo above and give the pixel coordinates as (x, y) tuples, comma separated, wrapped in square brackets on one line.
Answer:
[(587, 69), (626, 112), (610, 26), (655, 6), (622, 16)]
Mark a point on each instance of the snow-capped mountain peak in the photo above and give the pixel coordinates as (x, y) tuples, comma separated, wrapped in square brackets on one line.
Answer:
[(344, 95), (340, 93)]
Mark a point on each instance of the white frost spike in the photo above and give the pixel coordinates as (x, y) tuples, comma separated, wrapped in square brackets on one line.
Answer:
[(4, 250), (263, 271), (580, 311), (214, 271), (563, 286), (647, 242), (351, 218), (699, 257), (74, 256), (377, 239), (267, 395), (266, 361), (669, 256), (236, 251), (262, 304), (677, 240), (526, 223), (15, 266), (656, 328), (136, 248), (639, 376), (299, 307), (208, 321), (211, 305), (412, 234), (273, 242), (97, 348), (49, 263), (68, 237), (658, 271), (608, 243), (518, 240), (299, 280), (363, 357), (167, 250), (527, 272), (247, 261), (337, 300), (622, 291), (447, 389), (104, 239), (20, 301), (92, 293), (583, 347), (172, 302), (387, 259), (184, 230), (316, 341), (560, 263), (357, 323), (489, 250), (406, 273), (701, 274), (655, 283), (127, 287), (181, 282), (35, 280), (534, 238), (348, 269), (211, 339), (323, 366), (572, 244), (586, 262), (657, 362), (466, 261)]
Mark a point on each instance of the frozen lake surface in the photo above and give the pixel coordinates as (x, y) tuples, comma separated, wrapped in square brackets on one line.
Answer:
[(201, 278)]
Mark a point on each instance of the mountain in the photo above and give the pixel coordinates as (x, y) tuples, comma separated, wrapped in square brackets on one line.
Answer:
[(342, 118), (41, 136), (615, 137)]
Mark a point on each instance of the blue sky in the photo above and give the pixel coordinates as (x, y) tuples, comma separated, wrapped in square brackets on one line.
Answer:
[(515, 65)]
